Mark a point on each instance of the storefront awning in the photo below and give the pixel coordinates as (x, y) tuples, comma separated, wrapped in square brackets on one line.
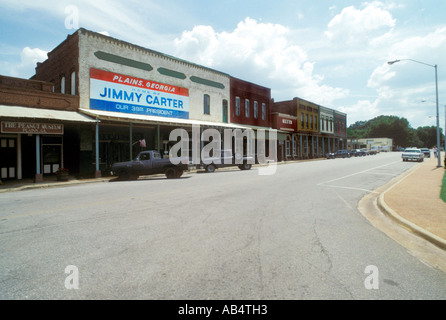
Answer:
[(47, 114), (136, 118)]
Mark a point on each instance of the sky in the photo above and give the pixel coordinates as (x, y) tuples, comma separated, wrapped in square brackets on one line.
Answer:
[(333, 53)]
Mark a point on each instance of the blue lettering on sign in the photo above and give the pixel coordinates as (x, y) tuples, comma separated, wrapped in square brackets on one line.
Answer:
[(120, 95), (142, 110), (164, 102)]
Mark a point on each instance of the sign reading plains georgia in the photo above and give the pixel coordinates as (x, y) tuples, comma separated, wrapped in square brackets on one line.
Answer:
[(115, 92)]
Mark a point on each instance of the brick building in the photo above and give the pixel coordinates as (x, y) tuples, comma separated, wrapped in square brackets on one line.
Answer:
[(107, 99), (40, 129), (316, 131), (137, 94)]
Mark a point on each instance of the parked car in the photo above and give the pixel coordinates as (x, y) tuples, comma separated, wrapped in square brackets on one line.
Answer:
[(412, 154), (148, 163), (358, 153), (426, 152), (227, 159), (338, 154), (364, 151)]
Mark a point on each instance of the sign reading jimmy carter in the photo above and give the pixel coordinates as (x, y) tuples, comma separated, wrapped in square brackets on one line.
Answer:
[(115, 92)]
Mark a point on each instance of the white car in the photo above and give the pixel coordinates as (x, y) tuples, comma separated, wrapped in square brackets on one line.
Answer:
[(412, 154)]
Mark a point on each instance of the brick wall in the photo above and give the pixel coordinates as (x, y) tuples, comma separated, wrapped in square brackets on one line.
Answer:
[(252, 92), (61, 62), (34, 94)]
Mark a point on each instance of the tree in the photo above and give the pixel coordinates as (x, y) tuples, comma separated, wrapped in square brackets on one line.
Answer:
[(428, 136), (391, 127)]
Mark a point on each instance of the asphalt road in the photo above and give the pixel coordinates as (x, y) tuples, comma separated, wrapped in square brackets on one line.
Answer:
[(294, 235)]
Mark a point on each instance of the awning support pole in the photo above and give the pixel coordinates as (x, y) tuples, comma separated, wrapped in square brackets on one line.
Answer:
[(39, 176), (131, 141), (97, 173)]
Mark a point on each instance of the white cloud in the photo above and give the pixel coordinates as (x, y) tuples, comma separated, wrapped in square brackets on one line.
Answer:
[(28, 60), (263, 53), (380, 75), (355, 25), (411, 47)]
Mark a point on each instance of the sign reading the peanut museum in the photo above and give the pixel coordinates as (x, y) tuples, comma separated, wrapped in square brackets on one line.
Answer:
[(30, 128), (110, 91)]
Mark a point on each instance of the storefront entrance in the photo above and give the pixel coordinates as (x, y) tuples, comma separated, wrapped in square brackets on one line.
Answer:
[(51, 154)]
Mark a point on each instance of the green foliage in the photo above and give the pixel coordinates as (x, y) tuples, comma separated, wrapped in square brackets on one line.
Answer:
[(443, 187), (428, 135), (394, 128)]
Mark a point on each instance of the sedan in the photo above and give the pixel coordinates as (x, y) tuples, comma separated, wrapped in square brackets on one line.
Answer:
[(412, 154)]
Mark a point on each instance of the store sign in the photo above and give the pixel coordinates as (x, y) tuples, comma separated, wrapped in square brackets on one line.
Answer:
[(286, 124), (31, 128), (114, 92)]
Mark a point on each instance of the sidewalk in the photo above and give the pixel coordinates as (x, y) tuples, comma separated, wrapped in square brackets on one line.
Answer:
[(414, 202), (27, 184)]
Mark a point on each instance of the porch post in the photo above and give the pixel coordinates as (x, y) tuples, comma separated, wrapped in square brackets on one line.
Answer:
[(39, 176), (293, 147), (323, 146), (131, 141), (97, 173), (158, 141), (19, 157), (307, 154), (301, 147)]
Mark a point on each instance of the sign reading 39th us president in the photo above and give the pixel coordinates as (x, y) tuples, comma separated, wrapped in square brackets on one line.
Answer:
[(110, 91)]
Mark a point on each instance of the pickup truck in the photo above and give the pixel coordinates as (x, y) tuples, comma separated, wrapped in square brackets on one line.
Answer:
[(338, 154), (226, 160), (148, 163)]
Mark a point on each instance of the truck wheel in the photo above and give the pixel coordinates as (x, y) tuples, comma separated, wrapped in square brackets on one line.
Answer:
[(124, 175), (245, 166), (210, 168), (171, 173), (179, 173)]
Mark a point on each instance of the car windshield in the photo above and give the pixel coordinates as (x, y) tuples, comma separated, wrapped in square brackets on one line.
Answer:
[(413, 150)]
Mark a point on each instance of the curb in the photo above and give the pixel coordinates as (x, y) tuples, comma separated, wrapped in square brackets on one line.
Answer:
[(438, 241), (52, 185)]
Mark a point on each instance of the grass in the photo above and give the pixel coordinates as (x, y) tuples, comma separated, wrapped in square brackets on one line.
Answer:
[(443, 188)]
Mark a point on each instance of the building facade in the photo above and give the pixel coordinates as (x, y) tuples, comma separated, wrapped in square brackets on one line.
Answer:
[(40, 129), (316, 131), (326, 126), (97, 100), (136, 94), (340, 129)]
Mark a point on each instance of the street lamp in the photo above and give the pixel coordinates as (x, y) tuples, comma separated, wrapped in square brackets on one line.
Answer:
[(436, 92), (444, 127)]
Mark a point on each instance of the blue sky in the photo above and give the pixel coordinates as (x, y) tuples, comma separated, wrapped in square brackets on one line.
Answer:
[(333, 53)]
